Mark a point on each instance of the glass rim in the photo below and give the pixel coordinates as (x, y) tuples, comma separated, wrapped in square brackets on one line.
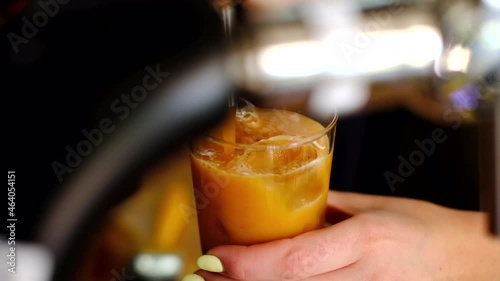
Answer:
[(257, 146)]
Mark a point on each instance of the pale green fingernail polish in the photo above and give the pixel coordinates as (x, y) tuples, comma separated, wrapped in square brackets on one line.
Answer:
[(210, 263), (192, 277)]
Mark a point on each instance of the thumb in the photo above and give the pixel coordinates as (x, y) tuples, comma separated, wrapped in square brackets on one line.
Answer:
[(350, 203)]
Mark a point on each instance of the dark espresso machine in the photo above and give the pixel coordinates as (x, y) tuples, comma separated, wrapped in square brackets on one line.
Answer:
[(325, 54)]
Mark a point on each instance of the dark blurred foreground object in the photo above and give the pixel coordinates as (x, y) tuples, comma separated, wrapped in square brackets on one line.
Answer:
[(69, 74), (71, 79)]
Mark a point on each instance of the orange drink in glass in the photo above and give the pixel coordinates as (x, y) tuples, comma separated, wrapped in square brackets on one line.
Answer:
[(270, 182)]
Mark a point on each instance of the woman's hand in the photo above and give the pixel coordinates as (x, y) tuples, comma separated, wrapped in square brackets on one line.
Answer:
[(385, 238)]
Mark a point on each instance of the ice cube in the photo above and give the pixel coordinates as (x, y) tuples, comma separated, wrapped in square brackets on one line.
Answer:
[(273, 156), (246, 113)]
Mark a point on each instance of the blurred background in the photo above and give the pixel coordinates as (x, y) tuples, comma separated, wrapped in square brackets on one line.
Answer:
[(69, 72)]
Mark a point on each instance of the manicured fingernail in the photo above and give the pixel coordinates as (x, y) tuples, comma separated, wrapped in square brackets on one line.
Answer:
[(210, 263), (192, 277)]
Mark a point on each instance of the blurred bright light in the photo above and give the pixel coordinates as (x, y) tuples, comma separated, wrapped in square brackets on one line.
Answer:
[(158, 266), (458, 59), (466, 97), (341, 96), (292, 60), (33, 262), (414, 47), (490, 33), (492, 3)]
